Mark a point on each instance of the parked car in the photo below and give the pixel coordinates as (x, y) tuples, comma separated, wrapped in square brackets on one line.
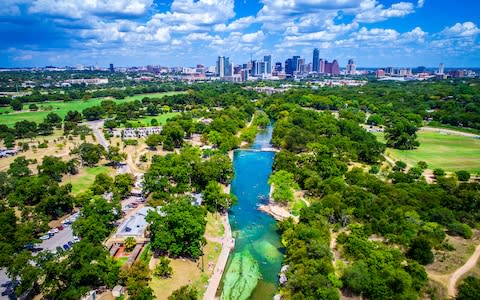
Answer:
[(60, 227), (66, 247), (45, 237), (76, 239), (70, 243)]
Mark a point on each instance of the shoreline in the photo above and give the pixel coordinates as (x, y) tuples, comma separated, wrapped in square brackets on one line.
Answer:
[(278, 211)]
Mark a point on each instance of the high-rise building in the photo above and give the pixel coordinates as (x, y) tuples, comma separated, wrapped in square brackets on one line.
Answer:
[(321, 66), (289, 66), (335, 68), (441, 69), (295, 63), (262, 68), (300, 66), (228, 67), (278, 67), (315, 60), (220, 70), (268, 64), (328, 67), (112, 69), (351, 68), (254, 68)]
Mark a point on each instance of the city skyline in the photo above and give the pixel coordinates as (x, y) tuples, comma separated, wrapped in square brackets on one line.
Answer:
[(187, 32)]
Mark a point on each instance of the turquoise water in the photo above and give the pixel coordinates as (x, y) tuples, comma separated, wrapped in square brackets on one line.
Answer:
[(253, 267)]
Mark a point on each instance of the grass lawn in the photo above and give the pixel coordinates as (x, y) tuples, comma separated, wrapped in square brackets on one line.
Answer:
[(121, 261), (61, 108), (214, 226), (187, 272), (146, 121), (447, 151), (86, 176)]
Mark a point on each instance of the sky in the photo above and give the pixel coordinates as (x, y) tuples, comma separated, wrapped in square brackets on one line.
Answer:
[(375, 33)]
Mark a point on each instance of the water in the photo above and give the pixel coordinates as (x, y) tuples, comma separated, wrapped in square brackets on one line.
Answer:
[(253, 267)]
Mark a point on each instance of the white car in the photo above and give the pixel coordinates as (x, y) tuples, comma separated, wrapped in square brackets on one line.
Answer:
[(76, 239), (44, 237)]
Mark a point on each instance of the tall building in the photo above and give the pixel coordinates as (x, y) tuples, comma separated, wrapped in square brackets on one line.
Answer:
[(220, 70), (328, 67), (295, 63), (228, 67), (300, 66), (335, 68), (112, 69), (351, 68), (289, 66), (268, 64), (321, 66), (278, 67), (315, 60), (254, 68), (261, 67), (441, 69)]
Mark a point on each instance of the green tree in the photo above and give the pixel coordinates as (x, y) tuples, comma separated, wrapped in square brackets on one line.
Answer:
[(115, 155), (184, 293), (463, 175), (421, 251), (52, 167), (102, 184), (129, 243), (16, 104), (90, 154), (163, 268), (136, 279), (469, 289), (179, 230), (400, 133), (215, 199), (153, 140), (123, 185)]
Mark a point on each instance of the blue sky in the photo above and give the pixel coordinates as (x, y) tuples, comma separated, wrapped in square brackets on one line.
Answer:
[(374, 33)]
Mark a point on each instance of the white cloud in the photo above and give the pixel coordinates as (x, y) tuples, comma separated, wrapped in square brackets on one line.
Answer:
[(253, 37), (420, 3), (466, 29), (376, 35), (77, 9), (371, 11), (162, 35), (238, 24)]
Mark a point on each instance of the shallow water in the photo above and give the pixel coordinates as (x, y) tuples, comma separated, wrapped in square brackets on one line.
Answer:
[(253, 267)]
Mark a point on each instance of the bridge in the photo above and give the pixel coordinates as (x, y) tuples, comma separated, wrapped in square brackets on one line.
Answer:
[(263, 149)]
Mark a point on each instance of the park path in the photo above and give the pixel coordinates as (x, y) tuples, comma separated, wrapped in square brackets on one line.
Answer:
[(97, 132), (227, 245), (449, 131), (471, 262)]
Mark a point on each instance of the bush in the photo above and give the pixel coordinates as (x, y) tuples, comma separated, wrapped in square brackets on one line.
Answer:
[(399, 165), (163, 269), (374, 169), (131, 142), (463, 175), (421, 251), (460, 229), (438, 172)]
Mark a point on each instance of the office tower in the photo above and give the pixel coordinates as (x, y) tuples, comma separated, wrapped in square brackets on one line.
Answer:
[(268, 64), (220, 70), (351, 68), (315, 60), (321, 66), (261, 67), (288, 66), (278, 67), (295, 63), (228, 67), (441, 69), (335, 68), (254, 68), (112, 69), (300, 66), (328, 67)]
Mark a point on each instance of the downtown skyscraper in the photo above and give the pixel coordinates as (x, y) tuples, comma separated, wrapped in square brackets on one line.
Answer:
[(316, 60)]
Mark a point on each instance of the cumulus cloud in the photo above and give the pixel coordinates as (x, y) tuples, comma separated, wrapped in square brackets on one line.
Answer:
[(253, 37), (371, 11), (238, 24), (466, 29), (77, 9), (420, 3)]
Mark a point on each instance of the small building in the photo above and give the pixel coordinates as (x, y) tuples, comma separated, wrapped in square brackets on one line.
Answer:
[(135, 225)]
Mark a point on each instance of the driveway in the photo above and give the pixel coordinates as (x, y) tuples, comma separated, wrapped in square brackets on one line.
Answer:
[(97, 132)]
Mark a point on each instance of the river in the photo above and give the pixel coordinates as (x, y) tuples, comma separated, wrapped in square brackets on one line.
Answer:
[(253, 268)]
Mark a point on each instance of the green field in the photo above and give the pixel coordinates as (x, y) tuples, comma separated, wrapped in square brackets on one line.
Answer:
[(145, 121), (447, 151), (61, 108), (85, 178)]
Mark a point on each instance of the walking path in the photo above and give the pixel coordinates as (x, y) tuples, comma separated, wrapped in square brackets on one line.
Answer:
[(471, 262), (227, 246), (95, 126), (449, 131)]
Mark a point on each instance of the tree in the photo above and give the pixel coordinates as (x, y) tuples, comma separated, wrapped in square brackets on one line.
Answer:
[(215, 199), (52, 167), (90, 154), (284, 186), (73, 116), (45, 129), (153, 140), (173, 135), (16, 104), (54, 120), (421, 251), (33, 107), (123, 185), (115, 155), (400, 133), (154, 122), (179, 230), (19, 167), (438, 172), (152, 110), (102, 184), (184, 293), (163, 268), (463, 175), (469, 289), (25, 129), (93, 113), (129, 243), (136, 279)]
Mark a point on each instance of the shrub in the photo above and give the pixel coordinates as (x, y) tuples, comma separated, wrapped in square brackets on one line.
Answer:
[(463, 175), (460, 229)]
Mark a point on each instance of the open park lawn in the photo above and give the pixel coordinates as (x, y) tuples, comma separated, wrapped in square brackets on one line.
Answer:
[(187, 272), (447, 151), (86, 176), (146, 121), (62, 108)]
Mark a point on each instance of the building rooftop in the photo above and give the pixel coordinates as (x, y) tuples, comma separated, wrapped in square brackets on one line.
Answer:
[(135, 225)]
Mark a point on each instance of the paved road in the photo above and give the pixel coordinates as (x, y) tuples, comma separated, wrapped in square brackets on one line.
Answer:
[(227, 245), (58, 240), (3, 281), (97, 132)]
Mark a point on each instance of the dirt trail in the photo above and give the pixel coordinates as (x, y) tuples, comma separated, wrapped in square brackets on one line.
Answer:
[(471, 262)]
